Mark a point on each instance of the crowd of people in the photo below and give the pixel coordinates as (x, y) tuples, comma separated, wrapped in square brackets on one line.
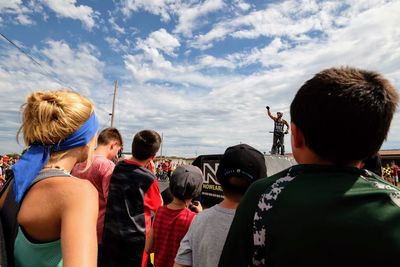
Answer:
[(6, 162), (329, 210)]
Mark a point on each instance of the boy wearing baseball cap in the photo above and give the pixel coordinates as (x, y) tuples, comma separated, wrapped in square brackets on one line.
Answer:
[(240, 166)]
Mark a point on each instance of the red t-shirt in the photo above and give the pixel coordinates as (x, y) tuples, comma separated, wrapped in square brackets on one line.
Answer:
[(99, 174), (170, 226)]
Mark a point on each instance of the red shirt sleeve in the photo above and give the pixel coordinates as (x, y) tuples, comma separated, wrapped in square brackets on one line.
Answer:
[(152, 201), (152, 198)]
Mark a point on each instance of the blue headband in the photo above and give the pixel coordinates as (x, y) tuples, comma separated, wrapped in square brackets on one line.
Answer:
[(33, 160)]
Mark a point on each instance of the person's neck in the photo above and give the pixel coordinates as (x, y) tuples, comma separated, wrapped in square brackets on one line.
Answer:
[(229, 203), (177, 204), (102, 151), (142, 163), (66, 163), (312, 158)]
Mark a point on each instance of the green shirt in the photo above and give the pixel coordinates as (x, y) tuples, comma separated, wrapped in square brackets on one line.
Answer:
[(28, 254), (311, 215)]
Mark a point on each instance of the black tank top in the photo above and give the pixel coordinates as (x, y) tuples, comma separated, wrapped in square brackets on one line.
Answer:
[(279, 126)]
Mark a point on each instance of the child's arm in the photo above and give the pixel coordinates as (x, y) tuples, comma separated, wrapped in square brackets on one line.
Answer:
[(148, 247)]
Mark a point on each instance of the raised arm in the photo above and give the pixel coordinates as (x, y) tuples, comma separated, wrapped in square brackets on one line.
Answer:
[(270, 115)]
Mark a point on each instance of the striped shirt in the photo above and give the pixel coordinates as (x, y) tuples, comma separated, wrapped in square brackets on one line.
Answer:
[(170, 226)]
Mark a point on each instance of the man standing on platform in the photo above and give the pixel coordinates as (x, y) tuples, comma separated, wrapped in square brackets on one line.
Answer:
[(279, 132)]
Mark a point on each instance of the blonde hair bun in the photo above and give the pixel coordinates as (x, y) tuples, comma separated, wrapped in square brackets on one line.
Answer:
[(49, 117)]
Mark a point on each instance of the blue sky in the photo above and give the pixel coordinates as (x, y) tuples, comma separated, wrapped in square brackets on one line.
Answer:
[(200, 72)]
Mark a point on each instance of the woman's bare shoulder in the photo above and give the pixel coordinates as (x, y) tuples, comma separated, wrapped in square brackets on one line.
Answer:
[(63, 190)]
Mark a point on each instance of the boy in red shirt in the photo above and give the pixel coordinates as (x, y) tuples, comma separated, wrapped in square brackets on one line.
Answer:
[(173, 220), (133, 197)]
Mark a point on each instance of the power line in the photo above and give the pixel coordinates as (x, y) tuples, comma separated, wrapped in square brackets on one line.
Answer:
[(49, 75), (20, 49)]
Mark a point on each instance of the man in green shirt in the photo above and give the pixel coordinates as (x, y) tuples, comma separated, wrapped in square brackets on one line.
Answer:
[(326, 211)]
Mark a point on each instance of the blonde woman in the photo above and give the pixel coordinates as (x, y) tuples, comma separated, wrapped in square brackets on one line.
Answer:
[(58, 213)]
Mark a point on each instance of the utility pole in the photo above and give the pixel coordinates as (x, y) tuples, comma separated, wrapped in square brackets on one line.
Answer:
[(113, 105)]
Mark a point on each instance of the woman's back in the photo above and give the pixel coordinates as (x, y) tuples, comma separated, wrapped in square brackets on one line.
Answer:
[(57, 216), (51, 203)]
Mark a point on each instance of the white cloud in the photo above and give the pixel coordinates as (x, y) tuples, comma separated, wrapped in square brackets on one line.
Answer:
[(156, 7), (16, 9), (116, 45), (10, 4), (151, 66), (160, 40), (69, 9), (189, 15), (242, 5), (115, 26), (268, 56), (81, 67), (291, 19), (204, 41), (210, 61)]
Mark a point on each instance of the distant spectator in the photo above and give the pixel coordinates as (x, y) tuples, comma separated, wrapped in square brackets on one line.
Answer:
[(240, 166), (133, 197), (173, 220), (395, 172), (388, 173), (109, 142)]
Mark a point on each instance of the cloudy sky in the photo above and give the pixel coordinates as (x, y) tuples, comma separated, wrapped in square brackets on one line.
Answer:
[(200, 72)]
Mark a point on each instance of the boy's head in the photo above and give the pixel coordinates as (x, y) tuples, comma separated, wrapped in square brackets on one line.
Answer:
[(145, 144), (344, 114), (112, 138), (186, 181), (239, 167)]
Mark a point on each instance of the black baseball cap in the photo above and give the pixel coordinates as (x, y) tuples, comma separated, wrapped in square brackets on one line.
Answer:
[(186, 182), (242, 161)]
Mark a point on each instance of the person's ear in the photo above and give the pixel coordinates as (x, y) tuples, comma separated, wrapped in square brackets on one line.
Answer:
[(297, 136), (113, 145)]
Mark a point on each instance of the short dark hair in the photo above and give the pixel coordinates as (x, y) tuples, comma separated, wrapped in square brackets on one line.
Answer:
[(145, 144), (109, 134), (344, 113)]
